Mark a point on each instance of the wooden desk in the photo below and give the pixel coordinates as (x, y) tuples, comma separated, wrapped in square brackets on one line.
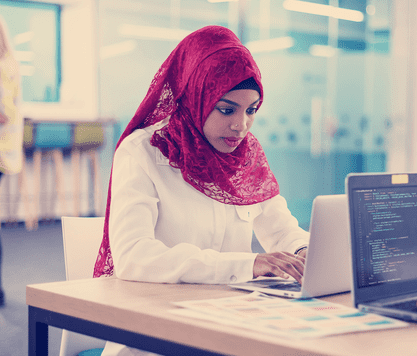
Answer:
[(135, 314)]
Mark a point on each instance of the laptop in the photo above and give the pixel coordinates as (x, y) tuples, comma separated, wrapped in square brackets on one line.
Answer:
[(327, 269), (383, 223)]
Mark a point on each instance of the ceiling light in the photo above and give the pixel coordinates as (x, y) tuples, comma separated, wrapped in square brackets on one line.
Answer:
[(323, 10), (154, 33), (322, 51), (117, 49), (23, 37), (270, 45)]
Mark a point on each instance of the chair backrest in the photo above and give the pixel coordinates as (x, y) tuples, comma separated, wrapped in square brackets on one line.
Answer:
[(82, 238)]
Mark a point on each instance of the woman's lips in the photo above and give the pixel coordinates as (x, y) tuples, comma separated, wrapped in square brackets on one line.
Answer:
[(232, 141)]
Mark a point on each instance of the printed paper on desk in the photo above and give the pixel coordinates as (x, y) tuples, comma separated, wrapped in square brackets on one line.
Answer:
[(290, 318)]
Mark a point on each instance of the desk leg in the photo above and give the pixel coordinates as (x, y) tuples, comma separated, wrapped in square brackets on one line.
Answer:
[(38, 335)]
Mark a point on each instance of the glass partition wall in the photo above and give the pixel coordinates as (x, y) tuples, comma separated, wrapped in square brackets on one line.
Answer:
[(34, 31), (325, 68), (327, 92)]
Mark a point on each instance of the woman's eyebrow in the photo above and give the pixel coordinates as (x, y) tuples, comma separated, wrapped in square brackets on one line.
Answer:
[(236, 104), (229, 102)]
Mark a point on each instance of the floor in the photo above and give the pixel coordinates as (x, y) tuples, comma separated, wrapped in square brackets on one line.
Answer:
[(28, 258)]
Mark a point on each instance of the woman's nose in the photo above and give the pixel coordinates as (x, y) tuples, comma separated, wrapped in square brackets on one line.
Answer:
[(240, 122)]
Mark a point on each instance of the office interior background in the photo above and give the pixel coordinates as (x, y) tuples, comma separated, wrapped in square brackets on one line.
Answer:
[(339, 79)]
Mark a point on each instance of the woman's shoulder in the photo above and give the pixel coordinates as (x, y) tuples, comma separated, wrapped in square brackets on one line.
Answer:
[(138, 144), (140, 138), (137, 138)]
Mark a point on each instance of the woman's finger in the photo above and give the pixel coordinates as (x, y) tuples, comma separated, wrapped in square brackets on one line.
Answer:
[(290, 269), (297, 262), (279, 264)]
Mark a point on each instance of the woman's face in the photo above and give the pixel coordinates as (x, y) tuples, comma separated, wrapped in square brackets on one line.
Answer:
[(231, 119)]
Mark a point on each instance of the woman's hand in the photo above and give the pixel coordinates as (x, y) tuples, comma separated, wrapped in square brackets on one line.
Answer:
[(280, 264), (302, 253)]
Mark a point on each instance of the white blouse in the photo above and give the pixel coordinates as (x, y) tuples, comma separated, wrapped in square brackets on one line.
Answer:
[(161, 229)]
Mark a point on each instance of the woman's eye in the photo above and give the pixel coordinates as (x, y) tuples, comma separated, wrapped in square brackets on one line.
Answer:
[(226, 111), (252, 111)]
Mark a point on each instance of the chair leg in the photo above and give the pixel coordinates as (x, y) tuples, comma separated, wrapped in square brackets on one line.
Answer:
[(60, 185), (14, 200), (37, 158), (97, 182), (23, 188), (75, 166), (51, 194)]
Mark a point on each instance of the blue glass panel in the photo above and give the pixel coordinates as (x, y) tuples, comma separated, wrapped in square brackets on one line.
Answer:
[(34, 30)]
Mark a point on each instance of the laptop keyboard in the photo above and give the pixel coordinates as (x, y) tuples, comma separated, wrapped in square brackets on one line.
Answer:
[(295, 286), (408, 305)]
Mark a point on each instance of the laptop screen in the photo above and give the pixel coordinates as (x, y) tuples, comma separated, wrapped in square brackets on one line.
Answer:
[(385, 222)]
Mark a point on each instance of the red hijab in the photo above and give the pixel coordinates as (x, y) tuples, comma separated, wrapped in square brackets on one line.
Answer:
[(204, 66)]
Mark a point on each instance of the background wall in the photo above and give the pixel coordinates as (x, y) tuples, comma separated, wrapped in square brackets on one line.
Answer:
[(324, 115), (308, 157)]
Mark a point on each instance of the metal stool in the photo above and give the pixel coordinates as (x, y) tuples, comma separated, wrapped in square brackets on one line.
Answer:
[(22, 177), (50, 139), (87, 139)]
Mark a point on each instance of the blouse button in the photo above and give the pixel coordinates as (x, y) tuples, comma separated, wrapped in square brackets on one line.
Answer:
[(233, 278)]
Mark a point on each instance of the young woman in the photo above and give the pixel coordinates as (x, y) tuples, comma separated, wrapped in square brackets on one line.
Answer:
[(190, 183), (11, 122)]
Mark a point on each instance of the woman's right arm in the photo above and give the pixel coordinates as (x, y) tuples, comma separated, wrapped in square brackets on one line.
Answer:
[(138, 255)]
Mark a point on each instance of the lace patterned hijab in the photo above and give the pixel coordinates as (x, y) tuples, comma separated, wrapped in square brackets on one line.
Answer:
[(204, 66)]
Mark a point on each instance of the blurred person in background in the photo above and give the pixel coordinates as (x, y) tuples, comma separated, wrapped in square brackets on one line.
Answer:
[(11, 122)]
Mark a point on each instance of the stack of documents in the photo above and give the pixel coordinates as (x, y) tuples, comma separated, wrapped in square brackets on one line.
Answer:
[(290, 318)]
